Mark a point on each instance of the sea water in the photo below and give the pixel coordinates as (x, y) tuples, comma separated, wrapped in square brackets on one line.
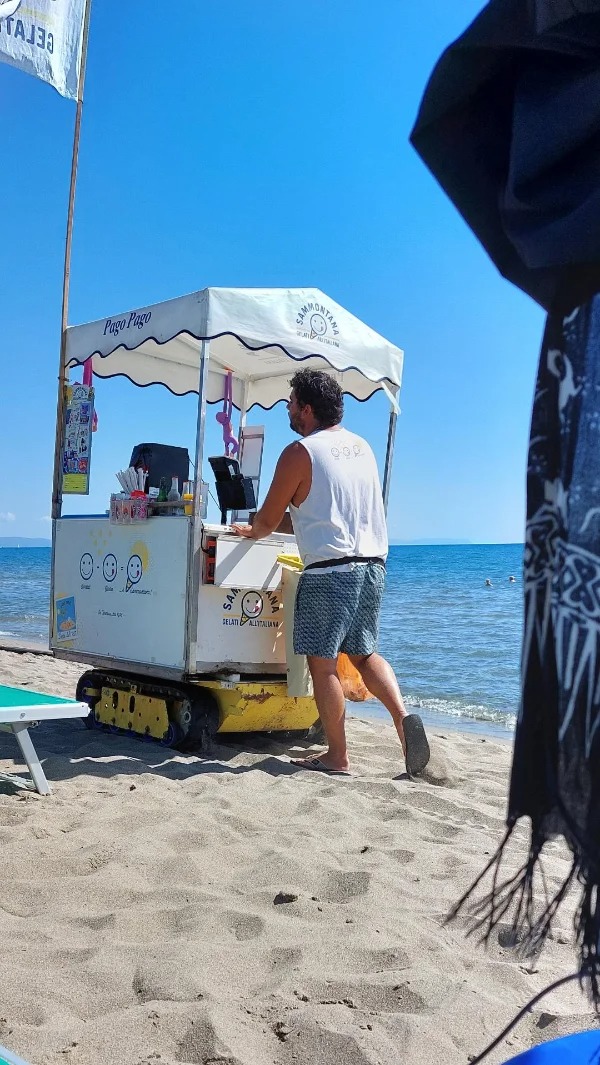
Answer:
[(25, 593), (454, 642)]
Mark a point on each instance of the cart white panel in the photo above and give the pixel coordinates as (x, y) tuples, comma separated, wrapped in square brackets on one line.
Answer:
[(120, 590), (240, 629), (241, 563)]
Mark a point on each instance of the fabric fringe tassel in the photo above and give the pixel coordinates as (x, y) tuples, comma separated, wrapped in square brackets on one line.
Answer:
[(515, 896)]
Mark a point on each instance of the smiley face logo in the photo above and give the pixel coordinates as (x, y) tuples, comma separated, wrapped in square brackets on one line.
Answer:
[(138, 564), (134, 571), (335, 451), (318, 326), (109, 568), (252, 607), (86, 566)]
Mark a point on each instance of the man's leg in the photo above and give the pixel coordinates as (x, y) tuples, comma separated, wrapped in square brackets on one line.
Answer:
[(380, 679), (331, 705)]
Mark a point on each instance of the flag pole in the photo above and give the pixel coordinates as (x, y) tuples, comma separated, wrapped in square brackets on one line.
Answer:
[(62, 374)]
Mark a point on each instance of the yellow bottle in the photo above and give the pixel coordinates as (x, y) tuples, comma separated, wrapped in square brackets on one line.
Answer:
[(188, 494)]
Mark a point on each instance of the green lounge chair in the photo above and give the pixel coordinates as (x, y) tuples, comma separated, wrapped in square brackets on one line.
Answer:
[(19, 710), (6, 1058)]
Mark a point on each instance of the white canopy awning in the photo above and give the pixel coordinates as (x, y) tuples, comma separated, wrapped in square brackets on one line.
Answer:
[(262, 335)]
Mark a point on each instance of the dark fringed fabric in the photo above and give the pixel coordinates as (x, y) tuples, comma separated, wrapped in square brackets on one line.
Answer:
[(555, 777), (510, 126)]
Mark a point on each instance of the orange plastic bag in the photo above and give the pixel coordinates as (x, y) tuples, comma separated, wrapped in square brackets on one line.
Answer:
[(353, 685)]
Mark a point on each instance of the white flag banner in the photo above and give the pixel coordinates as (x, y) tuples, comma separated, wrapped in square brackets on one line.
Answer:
[(44, 38)]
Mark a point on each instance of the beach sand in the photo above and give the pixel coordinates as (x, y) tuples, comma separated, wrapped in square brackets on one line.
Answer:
[(141, 924)]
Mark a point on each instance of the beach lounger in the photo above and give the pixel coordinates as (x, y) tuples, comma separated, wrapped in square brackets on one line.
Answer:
[(19, 710), (6, 1058)]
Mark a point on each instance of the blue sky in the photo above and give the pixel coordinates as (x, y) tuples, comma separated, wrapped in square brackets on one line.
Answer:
[(262, 145)]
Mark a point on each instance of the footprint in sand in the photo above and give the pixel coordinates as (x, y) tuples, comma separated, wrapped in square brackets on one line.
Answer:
[(342, 887), (244, 925), (383, 790), (186, 921), (284, 956), (402, 856), (71, 956), (398, 812), (437, 804), (200, 1045), (451, 865), (397, 997), (11, 816), (281, 961), (88, 861), (98, 924), (319, 1044), (439, 832), (165, 980), (389, 959), (444, 811), (188, 841)]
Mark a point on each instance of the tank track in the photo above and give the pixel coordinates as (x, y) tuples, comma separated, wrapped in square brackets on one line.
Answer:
[(191, 720)]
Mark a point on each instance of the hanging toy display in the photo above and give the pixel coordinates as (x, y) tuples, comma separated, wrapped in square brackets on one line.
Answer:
[(231, 446), (88, 381)]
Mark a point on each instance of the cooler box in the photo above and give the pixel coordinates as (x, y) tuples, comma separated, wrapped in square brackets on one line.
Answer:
[(162, 460)]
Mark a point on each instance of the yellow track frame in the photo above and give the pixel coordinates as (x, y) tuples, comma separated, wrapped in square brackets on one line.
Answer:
[(242, 706), (133, 712), (260, 707)]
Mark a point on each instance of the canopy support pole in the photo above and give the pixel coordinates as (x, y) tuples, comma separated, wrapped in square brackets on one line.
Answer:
[(195, 558), (389, 458), (61, 401), (244, 407), (62, 374)]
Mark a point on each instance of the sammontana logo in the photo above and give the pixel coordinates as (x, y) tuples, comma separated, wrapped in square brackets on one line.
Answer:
[(251, 608), (315, 321)]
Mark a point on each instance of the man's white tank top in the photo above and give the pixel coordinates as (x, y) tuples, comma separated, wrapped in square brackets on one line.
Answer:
[(343, 514)]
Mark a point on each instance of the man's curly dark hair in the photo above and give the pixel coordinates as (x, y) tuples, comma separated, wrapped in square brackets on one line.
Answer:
[(321, 391)]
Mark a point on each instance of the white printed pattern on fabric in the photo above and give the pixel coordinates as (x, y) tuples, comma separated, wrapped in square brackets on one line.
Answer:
[(339, 612), (562, 578)]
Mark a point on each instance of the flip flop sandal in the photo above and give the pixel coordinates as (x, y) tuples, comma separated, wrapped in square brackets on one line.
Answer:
[(417, 747), (315, 765)]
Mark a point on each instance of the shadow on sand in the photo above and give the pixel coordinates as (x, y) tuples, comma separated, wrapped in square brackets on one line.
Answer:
[(67, 749)]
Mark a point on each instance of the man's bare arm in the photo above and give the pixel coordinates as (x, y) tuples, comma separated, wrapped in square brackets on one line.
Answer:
[(293, 468)]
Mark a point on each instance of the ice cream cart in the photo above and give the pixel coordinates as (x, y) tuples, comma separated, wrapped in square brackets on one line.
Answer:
[(183, 623)]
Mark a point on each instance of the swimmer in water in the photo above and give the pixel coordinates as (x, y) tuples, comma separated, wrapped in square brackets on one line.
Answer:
[(512, 580), (488, 582)]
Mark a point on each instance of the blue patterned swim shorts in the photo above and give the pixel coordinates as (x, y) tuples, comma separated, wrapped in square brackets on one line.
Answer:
[(339, 611)]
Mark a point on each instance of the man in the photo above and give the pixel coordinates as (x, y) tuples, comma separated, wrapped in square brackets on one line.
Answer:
[(330, 482)]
